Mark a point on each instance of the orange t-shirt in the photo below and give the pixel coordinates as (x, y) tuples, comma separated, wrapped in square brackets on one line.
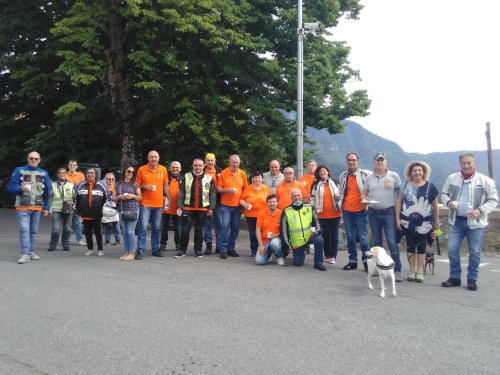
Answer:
[(145, 176), (268, 223), (283, 193), (174, 194), (228, 180), (257, 198), (329, 211), (307, 180), (75, 178), (352, 196)]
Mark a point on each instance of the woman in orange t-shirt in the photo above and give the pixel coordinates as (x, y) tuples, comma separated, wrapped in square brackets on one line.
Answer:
[(324, 195), (253, 201)]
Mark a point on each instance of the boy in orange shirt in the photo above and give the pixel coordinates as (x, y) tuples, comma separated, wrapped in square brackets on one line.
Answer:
[(268, 233)]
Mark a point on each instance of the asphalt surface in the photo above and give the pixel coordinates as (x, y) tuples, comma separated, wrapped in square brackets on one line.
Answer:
[(71, 314)]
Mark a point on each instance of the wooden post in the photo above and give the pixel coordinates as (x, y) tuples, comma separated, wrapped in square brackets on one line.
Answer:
[(490, 151)]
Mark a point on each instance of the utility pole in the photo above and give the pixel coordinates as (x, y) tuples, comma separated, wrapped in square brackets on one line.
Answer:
[(300, 92), (490, 151)]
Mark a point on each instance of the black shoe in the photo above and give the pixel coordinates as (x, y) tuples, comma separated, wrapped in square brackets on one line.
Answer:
[(350, 266), (320, 267), (198, 254), (106, 243), (163, 247), (51, 249), (65, 248), (217, 251), (451, 282), (208, 250), (365, 264), (138, 256), (233, 253), (158, 253), (223, 255), (116, 243), (471, 284), (180, 254)]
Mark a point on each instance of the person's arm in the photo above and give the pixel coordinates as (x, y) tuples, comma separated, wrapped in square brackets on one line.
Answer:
[(138, 194), (258, 235), (284, 232), (399, 203), (14, 185)]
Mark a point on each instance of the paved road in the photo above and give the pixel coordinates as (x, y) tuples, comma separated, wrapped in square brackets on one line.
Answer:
[(71, 314)]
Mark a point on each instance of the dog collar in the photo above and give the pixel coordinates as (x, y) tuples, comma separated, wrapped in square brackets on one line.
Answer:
[(385, 268)]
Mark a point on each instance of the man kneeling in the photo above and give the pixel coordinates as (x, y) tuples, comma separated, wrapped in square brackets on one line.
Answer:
[(299, 228), (268, 233)]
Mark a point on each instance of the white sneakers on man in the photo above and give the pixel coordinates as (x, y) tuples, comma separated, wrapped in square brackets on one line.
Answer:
[(25, 258)]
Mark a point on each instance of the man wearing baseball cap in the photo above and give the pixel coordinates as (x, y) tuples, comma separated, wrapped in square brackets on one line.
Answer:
[(382, 190)]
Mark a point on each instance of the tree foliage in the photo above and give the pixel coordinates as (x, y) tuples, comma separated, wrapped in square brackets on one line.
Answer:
[(180, 76)]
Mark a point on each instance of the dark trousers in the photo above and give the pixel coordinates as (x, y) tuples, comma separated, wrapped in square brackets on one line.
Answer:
[(190, 218), (95, 226), (330, 228), (165, 220)]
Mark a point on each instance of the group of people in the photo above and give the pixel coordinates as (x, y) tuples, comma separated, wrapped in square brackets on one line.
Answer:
[(283, 214)]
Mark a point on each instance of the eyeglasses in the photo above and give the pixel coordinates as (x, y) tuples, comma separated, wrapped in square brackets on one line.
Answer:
[(34, 159), (110, 179), (352, 160), (129, 171)]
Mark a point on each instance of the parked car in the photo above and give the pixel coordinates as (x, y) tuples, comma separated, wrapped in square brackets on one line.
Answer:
[(101, 169)]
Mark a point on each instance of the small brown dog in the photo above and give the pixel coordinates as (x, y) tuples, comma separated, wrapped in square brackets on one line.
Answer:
[(429, 261)]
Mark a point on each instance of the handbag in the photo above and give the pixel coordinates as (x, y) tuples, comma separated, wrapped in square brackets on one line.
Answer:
[(128, 215), (67, 208)]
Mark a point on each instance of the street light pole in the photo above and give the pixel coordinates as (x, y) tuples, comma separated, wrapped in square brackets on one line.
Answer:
[(300, 91)]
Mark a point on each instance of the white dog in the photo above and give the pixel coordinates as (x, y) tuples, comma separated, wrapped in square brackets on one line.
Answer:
[(379, 260)]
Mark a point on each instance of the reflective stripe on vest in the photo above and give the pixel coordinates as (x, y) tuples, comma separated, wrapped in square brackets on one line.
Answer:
[(205, 192), (57, 199), (299, 224)]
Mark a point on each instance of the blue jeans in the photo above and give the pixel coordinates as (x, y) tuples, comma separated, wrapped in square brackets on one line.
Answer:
[(272, 247), (207, 227), (28, 221), (330, 233), (60, 223), (456, 234), (145, 213), (230, 226), (299, 253), (128, 232), (254, 244), (115, 226), (386, 220), (356, 225), (76, 224)]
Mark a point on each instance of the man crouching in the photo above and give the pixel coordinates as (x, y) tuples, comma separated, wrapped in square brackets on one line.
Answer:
[(299, 228)]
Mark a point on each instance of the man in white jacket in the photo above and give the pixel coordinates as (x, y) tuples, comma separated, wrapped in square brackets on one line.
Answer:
[(470, 196)]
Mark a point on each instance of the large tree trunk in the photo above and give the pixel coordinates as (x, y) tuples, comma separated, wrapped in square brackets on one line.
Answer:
[(119, 90)]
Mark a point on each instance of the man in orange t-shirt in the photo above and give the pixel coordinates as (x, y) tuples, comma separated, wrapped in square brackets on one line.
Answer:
[(153, 181), (285, 187), (351, 185), (76, 222), (174, 180), (231, 183), (268, 233), (308, 179)]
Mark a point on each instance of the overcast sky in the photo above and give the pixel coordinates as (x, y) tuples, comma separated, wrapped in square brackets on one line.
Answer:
[(432, 71)]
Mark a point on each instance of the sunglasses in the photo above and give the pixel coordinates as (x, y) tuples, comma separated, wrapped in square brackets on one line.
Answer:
[(129, 171), (34, 159)]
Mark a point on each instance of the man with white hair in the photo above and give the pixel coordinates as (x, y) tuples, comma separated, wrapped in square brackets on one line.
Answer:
[(33, 190), (274, 176)]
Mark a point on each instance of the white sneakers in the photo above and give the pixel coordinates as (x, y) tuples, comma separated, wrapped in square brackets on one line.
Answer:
[(82, 243), (88, 253), (25, 258), (100, 253), (281, 261)]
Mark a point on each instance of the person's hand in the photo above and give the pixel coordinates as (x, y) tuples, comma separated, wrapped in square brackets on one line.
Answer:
[(45, 213), (452, 205), (398, 224), (262, 250), (210, 213), (474, 213)]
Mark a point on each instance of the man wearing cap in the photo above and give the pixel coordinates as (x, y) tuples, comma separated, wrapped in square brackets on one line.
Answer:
[(213, 170), (351, 185), (382, 188), (33, 188), (274, 176)]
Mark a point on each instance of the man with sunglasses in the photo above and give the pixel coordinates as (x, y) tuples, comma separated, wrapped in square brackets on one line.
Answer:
[(33, 189)]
